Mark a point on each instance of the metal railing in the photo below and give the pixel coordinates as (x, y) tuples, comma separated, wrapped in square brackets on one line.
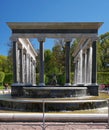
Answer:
[(44, 125)]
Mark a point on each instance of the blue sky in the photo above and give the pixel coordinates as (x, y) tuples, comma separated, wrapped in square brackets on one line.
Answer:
[(50, 11)]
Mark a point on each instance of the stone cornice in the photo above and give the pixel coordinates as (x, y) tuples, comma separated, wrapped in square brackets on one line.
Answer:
[(41, 39), (58, 35), (54, 25)]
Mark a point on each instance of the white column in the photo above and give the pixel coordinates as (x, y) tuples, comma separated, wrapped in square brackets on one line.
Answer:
[(75, 74), (21, 65), (27, 67), (81, 65), (24, 68), (15, 60), (90, 65), (77, 71), (85, 68), (18, 67), (30, 69), (34, 72)]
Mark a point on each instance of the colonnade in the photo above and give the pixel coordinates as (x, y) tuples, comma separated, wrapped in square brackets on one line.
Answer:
[(85, 64), (24, 62)]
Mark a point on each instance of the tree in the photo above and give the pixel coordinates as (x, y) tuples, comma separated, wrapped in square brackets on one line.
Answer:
[(59, 55), (2, 76), (73, 47), (103, 52), (3, 63), (49, 65), (10, 57)]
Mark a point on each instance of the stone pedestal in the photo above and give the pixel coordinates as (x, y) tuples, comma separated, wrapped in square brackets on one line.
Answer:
[(17, 90)]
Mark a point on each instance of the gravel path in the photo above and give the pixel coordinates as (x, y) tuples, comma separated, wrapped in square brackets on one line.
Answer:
[(52, 126)]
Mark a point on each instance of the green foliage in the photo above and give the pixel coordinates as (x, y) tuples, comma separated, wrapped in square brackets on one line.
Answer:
[(72, 77), (37, 78), (2, 76), (49, 64), (1, 87), (8, 78), (103, 52), (73, 47), (58, 56), (103, 77), (61, 79), (5, 64)]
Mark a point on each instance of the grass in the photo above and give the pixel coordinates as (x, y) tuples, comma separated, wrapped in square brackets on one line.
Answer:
[(103, 95)]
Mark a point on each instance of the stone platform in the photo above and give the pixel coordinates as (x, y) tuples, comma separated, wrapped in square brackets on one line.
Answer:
[(53, 92), (47, 91), (7, 102), (28, 90)]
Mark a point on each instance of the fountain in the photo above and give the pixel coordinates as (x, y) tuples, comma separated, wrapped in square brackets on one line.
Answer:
[(26, 95)]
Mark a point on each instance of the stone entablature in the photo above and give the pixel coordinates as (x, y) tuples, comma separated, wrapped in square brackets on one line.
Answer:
[(54, 29)]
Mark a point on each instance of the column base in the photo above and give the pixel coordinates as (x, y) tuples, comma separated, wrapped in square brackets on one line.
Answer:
[(67, 84), (79, 84), (17, 89), (34, 84), (93, 89), (41, 84), (17, 84)]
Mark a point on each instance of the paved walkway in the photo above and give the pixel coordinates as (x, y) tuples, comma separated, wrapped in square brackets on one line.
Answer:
[(52, 126), (5, 91)]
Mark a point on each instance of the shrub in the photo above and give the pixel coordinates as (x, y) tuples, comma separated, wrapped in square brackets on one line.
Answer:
[(61, 79), (103, 77), (2, 76), (8, 78)]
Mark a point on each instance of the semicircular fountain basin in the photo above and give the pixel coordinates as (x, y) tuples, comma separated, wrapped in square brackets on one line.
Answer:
[(7, 102)]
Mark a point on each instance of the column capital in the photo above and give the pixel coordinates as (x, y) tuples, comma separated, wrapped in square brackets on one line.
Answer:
[(68, 39), (24, 50), (85, 51), (94, 39), (13, 38), (20, 46), (41, 39)]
